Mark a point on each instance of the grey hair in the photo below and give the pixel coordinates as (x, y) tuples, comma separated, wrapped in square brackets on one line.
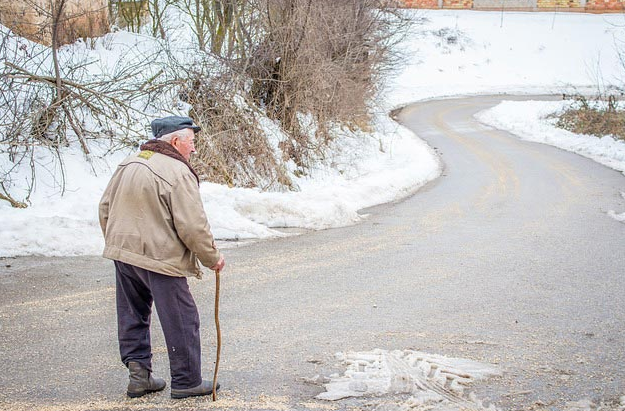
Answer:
[(178, 133)]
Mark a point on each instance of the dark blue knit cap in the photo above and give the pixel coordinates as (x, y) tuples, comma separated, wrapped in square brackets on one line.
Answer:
[(166, 125)]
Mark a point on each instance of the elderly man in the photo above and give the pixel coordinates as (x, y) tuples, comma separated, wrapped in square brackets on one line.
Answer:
[(155, 230)]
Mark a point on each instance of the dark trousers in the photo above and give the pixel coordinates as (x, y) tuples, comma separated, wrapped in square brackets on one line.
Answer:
[(136, 290)]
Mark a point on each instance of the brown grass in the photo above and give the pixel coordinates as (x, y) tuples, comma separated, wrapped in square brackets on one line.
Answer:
[(602, 119), (232, 149)]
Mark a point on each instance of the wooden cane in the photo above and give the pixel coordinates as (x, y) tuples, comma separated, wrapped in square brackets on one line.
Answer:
[(218, 334)]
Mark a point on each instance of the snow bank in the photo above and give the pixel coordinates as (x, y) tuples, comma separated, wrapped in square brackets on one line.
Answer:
[(356, 175), (57, 225), (363, 170), (530, 120)]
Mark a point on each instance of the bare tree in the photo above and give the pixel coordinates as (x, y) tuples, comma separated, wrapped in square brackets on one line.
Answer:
[(221, 26), (130, 15), (158, 11)]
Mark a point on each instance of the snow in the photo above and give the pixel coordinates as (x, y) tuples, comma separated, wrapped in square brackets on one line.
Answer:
[(470, 52), (452, 53), (361, 176), (433, 382), (530, 121), (618, 216)]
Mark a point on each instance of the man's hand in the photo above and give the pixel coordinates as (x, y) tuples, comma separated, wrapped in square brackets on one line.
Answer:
[(220, 264)]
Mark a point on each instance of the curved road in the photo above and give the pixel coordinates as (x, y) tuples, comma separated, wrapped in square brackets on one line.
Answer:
[(508, 258)]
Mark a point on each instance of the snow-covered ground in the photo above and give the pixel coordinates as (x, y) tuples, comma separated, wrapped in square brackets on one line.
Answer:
[(470, 52), (452, 53)]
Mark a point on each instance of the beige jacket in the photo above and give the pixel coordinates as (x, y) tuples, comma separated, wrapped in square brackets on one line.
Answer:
[(152, 217)]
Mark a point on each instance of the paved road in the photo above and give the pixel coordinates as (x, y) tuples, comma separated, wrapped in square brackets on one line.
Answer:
[(508, 258)]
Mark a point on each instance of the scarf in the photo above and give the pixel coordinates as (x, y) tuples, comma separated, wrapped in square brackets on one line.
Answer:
[(168, 150)]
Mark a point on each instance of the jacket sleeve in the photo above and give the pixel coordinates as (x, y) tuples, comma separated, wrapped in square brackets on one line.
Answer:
[(190, 220), (103, 208)]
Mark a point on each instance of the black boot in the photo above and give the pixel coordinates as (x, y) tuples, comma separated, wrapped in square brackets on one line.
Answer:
[(205, 388), (142, 382)]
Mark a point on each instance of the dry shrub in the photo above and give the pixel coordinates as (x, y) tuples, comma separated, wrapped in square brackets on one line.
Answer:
[(312, 65), (232, 149), (321, 58), (600, 119)]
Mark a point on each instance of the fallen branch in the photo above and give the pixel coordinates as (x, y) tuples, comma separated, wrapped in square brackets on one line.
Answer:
[(7, 197)]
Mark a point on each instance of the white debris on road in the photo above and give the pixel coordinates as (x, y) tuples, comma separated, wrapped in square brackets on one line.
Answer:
[(618, 216), (433, 382)]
